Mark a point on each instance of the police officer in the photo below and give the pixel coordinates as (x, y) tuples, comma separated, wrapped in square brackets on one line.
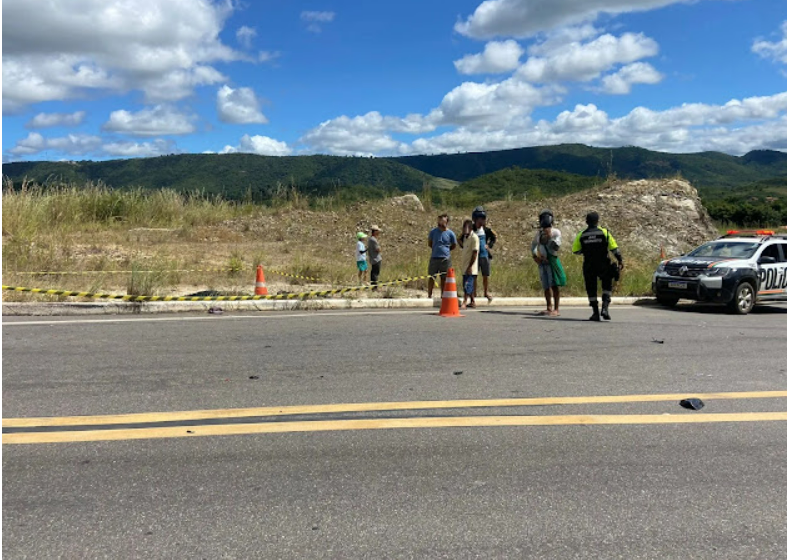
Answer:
[(595, 244)]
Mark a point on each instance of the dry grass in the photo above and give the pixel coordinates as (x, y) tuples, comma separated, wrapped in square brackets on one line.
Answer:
[(150, 234)]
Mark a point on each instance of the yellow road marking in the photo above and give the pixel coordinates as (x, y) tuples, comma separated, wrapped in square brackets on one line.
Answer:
[(388, 423), (145, 417)]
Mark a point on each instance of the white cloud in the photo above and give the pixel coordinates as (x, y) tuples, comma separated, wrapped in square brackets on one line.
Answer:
[(136, 149), (776, 51), (260, 145), (735, 127), (48, 120), (586, 61), (526, 18), (84, 144), (245, 35), (268, 56), (163, 47), (488, 105), (316, 19), (362, 135), (621, 81), (239, 106), (160, 120), (498, 56), (35, 143)]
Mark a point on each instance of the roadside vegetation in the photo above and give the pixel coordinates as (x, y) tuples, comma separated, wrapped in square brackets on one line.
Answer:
[(160, 242)]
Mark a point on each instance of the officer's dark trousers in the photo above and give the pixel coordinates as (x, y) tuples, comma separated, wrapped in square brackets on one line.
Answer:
[(593, 272)]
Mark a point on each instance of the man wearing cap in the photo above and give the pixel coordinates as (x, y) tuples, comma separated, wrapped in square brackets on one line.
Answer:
[(360, 256), (595, 244), (373, 252), (487, 239)]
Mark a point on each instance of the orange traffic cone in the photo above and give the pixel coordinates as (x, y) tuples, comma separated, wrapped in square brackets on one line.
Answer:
[(449, 307), (260, 289), (663, 254)]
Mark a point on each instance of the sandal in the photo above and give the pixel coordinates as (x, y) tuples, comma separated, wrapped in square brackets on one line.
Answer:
[(543, 312), (554, 313)]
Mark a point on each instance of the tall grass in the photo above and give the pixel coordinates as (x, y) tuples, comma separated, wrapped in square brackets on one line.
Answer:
[(34, 208), (47, 228)]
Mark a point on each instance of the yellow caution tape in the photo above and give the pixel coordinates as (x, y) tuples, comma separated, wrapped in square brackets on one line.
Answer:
[(302, 295), (59, 273), (280, 273)]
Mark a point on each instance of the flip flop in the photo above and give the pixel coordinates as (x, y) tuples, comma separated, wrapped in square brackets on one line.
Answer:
[(489, 299), (554, 313), (542, 313)]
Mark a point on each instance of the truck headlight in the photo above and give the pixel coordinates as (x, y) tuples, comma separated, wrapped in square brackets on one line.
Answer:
[(662, 266)]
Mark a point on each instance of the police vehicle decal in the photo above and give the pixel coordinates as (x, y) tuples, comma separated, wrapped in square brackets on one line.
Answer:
[(773, 279)]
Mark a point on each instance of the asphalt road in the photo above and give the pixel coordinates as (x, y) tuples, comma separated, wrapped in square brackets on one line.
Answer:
[(593, 477)]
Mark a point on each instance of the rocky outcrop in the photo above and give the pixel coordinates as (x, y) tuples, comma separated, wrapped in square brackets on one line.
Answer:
[(643, 215)]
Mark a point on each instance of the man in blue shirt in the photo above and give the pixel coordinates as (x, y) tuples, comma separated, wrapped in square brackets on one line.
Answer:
[(442, 241)]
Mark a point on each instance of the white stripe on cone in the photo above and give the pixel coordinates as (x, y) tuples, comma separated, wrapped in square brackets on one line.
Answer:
[(450, 295)]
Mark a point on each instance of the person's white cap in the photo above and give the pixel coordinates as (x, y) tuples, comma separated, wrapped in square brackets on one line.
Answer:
[(375, 228)]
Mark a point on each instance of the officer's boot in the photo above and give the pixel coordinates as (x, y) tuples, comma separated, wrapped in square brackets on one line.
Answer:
[(595, 316), (605, 310)]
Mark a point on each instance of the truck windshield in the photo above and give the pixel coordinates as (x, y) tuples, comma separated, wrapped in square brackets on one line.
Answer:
[(726, 249)]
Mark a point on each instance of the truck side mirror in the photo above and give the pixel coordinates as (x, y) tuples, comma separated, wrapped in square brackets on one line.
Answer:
[(767, 260)]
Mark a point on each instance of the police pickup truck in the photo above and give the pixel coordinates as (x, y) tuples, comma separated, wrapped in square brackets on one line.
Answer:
[(739, 269)]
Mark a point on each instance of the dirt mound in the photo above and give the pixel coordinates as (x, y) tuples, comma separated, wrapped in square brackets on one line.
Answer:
[(643, 215)]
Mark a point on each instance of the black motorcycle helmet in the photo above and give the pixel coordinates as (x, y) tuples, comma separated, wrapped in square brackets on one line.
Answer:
[(546, 218)]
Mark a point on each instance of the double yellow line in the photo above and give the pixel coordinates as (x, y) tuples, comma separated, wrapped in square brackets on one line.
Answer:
[(102, 433)]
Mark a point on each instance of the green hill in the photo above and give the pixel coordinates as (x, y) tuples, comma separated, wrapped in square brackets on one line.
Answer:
[(231, 175), (706, 170), (263, 177), (518, 183)]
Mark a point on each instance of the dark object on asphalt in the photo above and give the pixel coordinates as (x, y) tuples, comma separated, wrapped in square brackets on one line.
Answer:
[(658, 341), (254, 377), (458, 372), (189, 431), (215, 310), (692, 404)]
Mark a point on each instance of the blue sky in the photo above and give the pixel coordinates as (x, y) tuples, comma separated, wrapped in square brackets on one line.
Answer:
[(107, 79)]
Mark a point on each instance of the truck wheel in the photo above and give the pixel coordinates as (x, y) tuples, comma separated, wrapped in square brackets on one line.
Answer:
[(667, 301), (744, 299)]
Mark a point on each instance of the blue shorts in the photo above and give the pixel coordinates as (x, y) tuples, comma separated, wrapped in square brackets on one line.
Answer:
[(468, 283), (362, 266)]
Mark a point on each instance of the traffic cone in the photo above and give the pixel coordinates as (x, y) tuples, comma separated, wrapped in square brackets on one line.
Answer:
[(260, 289), (449, 307), (663, 254)]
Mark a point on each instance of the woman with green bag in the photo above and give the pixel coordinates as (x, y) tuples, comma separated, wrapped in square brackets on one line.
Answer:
[(545, 247)]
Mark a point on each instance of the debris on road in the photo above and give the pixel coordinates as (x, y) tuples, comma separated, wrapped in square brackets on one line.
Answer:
[(458, 372), (254, 377), (658, 341), (692, 404), (215, 311)]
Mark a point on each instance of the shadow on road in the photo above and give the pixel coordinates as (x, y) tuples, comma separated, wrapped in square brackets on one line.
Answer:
[(532, 315)]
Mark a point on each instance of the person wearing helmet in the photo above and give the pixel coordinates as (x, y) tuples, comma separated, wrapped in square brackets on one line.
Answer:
[(487, 239), (594, 244), (360, 256), (544, 248)]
